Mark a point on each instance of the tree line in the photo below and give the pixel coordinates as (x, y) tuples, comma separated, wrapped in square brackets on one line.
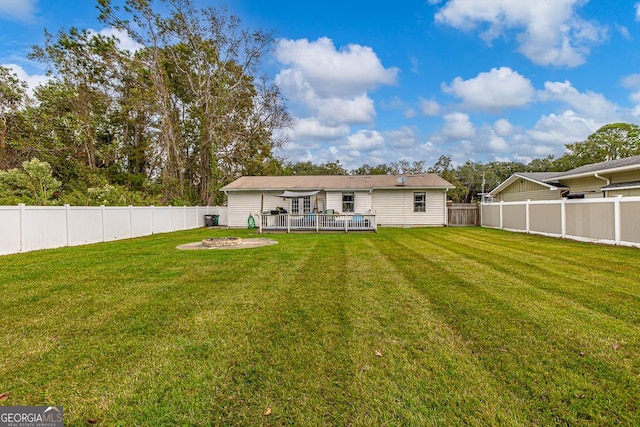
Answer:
[(610, 142), (182, 115)]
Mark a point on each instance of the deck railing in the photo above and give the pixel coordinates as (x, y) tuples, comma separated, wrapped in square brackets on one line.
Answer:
[(317, 222)]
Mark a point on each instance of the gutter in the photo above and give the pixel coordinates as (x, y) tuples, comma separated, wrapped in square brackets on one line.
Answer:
[(604, 193)]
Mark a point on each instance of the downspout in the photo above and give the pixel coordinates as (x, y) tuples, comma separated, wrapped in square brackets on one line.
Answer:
[(446, 211), (604, 193)]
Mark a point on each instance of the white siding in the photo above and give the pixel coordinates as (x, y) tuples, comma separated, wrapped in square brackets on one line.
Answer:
[(362, 202), (244, 203), (334, 200), (395, 208)]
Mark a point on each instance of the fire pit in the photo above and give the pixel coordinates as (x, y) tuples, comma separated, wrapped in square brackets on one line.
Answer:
[(221, 241)]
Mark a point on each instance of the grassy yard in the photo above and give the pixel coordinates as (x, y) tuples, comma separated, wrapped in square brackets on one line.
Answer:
[(404, 327)]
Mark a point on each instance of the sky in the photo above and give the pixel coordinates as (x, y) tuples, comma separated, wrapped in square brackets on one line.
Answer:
[(376, 82)]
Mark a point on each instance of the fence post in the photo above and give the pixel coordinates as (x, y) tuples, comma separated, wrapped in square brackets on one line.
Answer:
[(23, 226), (501, 205), (184, 217), (617, 232), (66, 220), (130, 221), (563, 217), (152, 215), (102, 220), (526, 215)]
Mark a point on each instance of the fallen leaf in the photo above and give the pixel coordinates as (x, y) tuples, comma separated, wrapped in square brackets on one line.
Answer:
[(615, 346), (582, 354), (92, 421), (4, 396), (378, 353), (504, 350), (364, 368), (267, 412), (580, 396)]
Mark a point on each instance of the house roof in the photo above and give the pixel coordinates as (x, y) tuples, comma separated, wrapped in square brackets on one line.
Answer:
[(336, 182), (603, 167), (552, 179), (546, 179), (622, 186)]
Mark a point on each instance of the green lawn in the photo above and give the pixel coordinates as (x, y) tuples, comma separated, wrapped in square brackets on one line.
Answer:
[(405, 327)]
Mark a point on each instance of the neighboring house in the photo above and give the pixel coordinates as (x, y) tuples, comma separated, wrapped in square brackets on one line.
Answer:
[(388, 200), (619, 177)]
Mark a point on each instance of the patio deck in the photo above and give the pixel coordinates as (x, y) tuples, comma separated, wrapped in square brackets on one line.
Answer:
[(317, 222)]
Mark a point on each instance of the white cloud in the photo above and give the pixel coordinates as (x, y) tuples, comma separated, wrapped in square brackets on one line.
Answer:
[(337, 111), (404, 137), (637, 8), (410, 113), (550, 32), (458, 126), (32, 80), (335, 73), (503, 127), (331, 111), (498, 144), (125, 41), (19, 10), (632, 82), (562, 129), (589, 104), (624, 32), (429, 107), (364, 140), (330, 86), (312, 128), (496, 89)]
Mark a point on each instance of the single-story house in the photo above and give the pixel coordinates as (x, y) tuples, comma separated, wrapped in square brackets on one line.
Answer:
[(619, 177), (334, 201)]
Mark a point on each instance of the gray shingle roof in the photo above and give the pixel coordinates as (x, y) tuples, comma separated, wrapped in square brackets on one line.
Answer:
[(336, 182), (611, 164)]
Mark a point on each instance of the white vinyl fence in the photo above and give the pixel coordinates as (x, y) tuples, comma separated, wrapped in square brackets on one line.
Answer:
[(28, 228), (614, 220)]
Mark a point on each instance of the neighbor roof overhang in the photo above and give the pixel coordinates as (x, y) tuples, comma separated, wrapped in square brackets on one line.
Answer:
[(516, 176)]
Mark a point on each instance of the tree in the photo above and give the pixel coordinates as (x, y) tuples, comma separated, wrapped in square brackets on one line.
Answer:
[(308, 168), (610, 142), (216, 120), (444, 167), (382, 169), (404, 166), (13, 97), (33, 184), (547, 164)]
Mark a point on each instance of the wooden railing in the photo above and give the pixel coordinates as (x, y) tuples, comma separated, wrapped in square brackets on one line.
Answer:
[(317, 222)]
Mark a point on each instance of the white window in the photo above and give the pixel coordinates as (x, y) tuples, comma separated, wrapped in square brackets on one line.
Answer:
[(420, 202), (348, 200)]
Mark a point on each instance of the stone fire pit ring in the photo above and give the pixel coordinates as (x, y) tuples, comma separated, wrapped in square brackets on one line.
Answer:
[(223, 243)]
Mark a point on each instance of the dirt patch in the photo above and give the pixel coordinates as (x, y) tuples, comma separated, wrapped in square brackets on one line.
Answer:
[(238, 244)]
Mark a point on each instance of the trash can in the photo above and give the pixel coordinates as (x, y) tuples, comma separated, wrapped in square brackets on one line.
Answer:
[(210, 220)]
